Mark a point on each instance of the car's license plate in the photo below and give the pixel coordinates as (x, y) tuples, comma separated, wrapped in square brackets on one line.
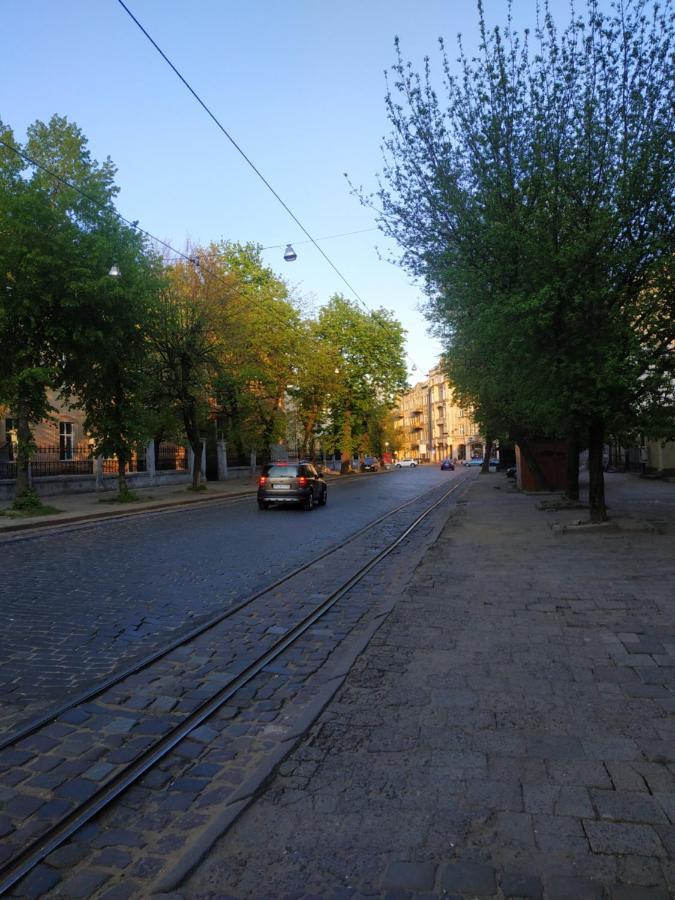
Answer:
[(280, 486)]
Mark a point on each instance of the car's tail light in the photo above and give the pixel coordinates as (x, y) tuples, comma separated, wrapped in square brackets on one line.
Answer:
[(302, 480), (262, 481)]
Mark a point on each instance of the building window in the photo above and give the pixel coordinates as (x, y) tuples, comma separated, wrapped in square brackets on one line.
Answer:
[(65, 440)]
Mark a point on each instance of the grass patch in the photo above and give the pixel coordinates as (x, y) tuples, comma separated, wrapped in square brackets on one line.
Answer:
[(123, 497), (28, 504)]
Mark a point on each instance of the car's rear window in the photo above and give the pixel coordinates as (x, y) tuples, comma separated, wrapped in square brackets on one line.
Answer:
[(281, 471)]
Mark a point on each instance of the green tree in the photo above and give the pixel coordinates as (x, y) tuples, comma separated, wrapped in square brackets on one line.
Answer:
[(536, 201), (47, 235), (372, 371), (107, 369), (185, 351)]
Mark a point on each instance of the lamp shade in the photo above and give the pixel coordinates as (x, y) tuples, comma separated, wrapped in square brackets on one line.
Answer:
[(290, 254), (114, 271)]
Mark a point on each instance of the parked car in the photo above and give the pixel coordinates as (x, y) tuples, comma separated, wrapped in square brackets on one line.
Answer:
[(370, 464), (473, 462), (291, 483), (448, 465), (406, 463)]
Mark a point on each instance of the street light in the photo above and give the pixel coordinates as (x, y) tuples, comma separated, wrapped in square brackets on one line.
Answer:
[(114, 271), (289, 253)]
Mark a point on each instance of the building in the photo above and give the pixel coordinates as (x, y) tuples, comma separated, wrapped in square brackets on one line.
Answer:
[(430, 425)]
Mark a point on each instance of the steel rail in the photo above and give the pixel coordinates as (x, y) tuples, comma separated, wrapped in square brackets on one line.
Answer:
[(32, 725), (35, 852)]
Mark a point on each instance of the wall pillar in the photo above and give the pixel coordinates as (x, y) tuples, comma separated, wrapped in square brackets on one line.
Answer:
[(150, 466), (221, 456), (98, 472)]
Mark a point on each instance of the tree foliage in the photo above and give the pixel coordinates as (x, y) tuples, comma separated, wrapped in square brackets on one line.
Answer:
[(536, 200)]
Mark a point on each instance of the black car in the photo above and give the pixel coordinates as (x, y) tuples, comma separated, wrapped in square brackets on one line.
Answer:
[(291, 483), (448, 465), (370, 464)]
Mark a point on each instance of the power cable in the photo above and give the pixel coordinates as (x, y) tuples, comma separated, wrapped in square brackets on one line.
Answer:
[(222, 128), (327, 238), (102, 206)]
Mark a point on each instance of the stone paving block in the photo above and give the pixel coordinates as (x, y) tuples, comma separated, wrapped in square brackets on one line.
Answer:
[(556, 747), (118, 837), (112, 858), (99, 771), (523, 887), (409, 876), (573, 801), (540, 798), (623, 806), (625, 777), (636, 892), (23, 805), (38, 882), (493, 795), (612, 749), (587, 773), (84, 884), (619, 838), (569, 887), (79, 789), (469, 877)]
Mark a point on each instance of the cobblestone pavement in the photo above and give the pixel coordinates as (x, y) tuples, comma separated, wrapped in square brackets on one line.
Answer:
[(79, 605), (507, 732), (47, 774)]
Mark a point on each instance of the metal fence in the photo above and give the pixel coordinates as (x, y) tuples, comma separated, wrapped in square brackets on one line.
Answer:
[(171, 458), (61, 461)]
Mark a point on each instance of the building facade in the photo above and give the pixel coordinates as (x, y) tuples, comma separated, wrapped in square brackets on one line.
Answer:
[(430, 425)]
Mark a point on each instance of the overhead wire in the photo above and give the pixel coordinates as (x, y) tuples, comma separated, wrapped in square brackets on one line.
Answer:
[(327, 238), (234, 143), (134, 224)]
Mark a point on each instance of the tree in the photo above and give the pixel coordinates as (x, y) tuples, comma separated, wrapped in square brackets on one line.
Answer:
[(185, 347), (537, 204), (106, 369), (372, 371), (47, 230)]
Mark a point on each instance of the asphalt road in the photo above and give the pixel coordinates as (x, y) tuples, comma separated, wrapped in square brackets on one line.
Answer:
[(78, 604)]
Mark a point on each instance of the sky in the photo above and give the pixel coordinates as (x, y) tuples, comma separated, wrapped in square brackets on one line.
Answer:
[(300, 87)]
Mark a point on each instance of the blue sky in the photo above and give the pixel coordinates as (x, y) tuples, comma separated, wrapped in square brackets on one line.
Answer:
[(299, 85)]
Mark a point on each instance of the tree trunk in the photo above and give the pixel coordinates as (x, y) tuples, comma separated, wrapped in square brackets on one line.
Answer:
[(487, 453), (122, 485), (572, 489), (24, 450), (596, 485), (346, 446)]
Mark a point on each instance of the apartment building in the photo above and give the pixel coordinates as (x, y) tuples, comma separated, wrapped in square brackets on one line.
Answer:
[(430, 425)]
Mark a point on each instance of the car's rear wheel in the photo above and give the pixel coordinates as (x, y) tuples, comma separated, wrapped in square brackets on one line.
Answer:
[(309, 502), (323, 499), (263, 504)]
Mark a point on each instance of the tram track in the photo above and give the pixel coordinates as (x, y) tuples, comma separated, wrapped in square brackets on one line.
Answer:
[(29, 727), (235, 678)]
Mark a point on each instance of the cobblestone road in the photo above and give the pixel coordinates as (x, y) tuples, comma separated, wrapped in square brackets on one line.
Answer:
[(78, 605), (48, 773), (508, 732)]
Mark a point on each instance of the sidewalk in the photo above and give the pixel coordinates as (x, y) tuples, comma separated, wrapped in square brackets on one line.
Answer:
[(74, 508), (508, 732)]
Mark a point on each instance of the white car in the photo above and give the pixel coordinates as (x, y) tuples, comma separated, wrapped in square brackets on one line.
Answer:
[(406, 463)]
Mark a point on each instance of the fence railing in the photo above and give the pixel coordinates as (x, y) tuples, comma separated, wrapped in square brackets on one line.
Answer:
[(170, 458), (56, 460)]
